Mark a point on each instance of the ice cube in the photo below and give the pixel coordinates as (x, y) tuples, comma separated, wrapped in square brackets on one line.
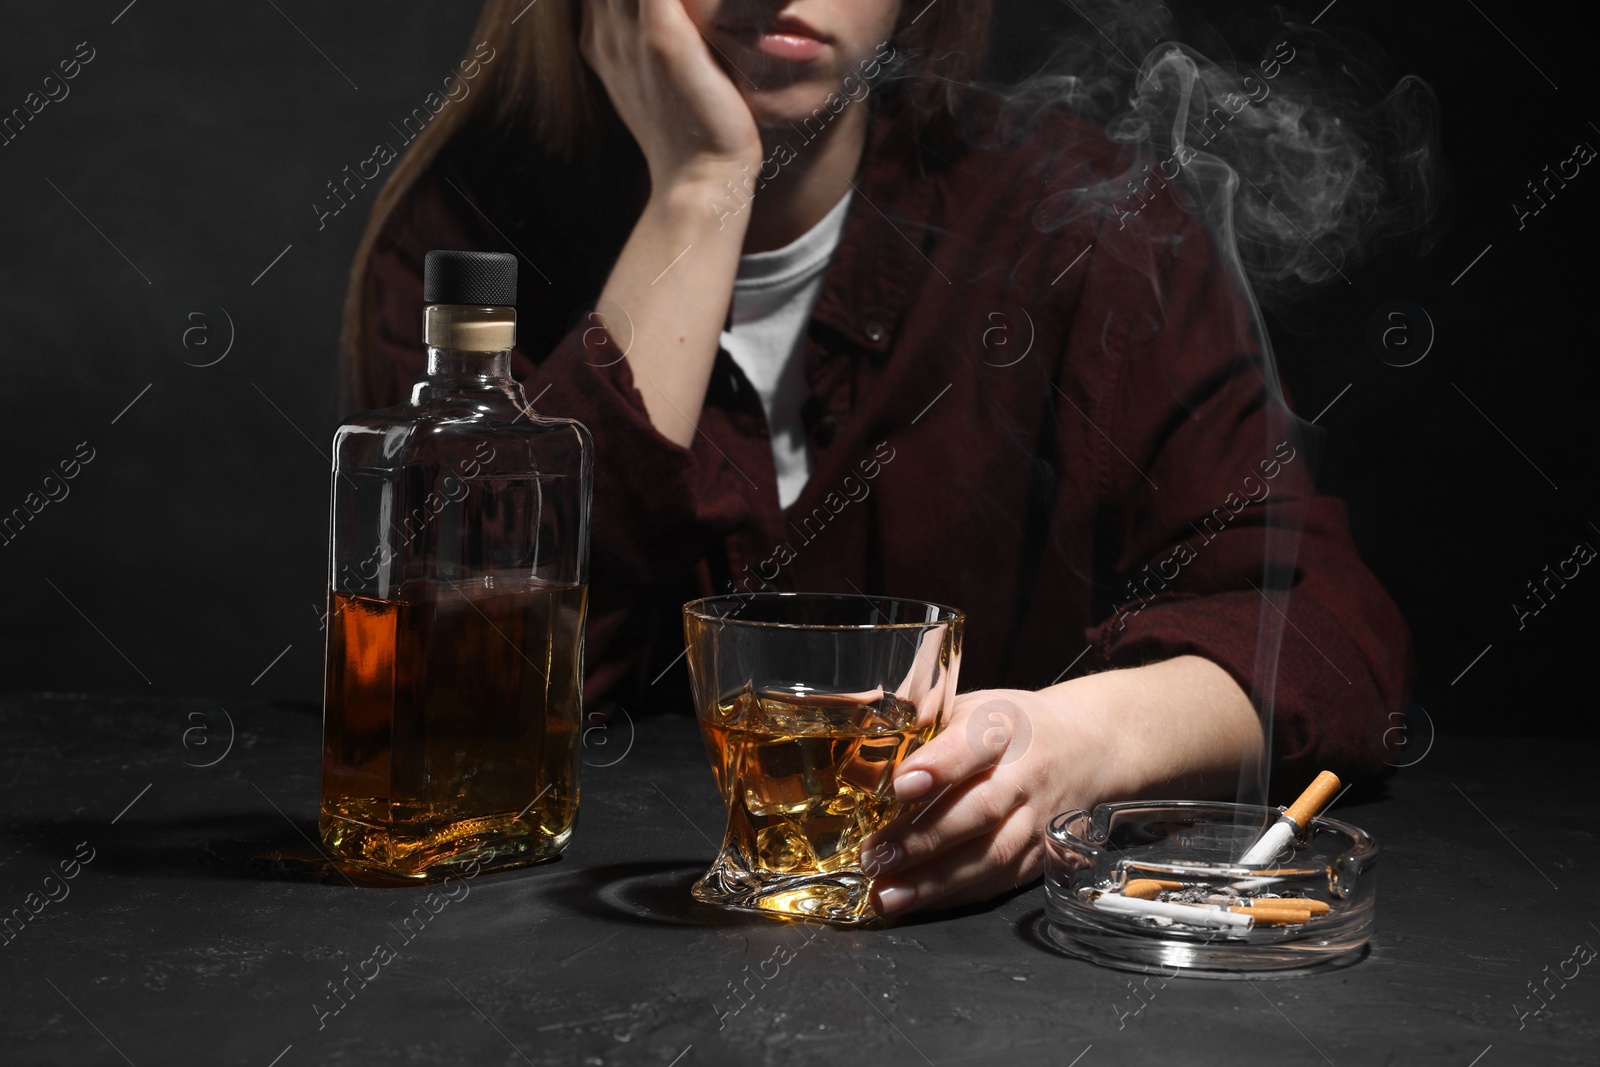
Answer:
[(775, 779), (870, 762), (885, 714), (783, 848), (832, 839)]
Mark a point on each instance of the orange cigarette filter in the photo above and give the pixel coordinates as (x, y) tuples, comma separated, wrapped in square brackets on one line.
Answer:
[(1314, 907), (1314, 799), (1298, 915), (1274, 916), (1148, 888)]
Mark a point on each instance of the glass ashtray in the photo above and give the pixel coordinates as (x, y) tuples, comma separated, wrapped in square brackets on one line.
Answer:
[(1191, 849)]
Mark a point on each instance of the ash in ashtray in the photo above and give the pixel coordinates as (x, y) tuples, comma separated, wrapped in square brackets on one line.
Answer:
[(1202, 894)]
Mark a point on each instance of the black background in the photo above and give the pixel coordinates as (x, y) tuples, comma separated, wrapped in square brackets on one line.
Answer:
[(191, 550)]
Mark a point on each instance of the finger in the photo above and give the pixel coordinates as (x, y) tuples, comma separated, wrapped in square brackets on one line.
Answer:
[(587, 29), (977, 738), (1025, 866), (974, 871), (923, 684), (601, 29), (966, 811)]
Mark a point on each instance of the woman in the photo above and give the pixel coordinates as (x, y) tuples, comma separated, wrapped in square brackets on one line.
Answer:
[(838, 326)]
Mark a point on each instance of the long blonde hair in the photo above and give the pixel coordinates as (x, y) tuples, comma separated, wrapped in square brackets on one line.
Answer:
[(539, 82)]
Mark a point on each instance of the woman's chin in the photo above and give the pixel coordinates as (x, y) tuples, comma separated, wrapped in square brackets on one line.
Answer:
[(801, 107)]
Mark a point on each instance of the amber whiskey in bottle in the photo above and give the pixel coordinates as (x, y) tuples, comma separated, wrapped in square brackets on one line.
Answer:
[(457, 595)]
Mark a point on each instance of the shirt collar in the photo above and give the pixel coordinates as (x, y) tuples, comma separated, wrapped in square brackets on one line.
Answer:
[(883, 252), (887, 239)]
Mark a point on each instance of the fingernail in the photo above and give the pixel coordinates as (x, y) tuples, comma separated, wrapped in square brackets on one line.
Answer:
[(894, 898), (878, 857), (913, 784)]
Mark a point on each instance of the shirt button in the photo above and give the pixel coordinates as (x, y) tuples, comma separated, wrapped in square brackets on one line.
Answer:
[(874, 330), (825, 430)]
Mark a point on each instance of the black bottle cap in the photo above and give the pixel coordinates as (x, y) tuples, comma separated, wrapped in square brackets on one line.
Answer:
[(484, 279)]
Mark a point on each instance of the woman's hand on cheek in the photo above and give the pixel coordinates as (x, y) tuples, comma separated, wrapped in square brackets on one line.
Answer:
[(981, 793), (689, 119)]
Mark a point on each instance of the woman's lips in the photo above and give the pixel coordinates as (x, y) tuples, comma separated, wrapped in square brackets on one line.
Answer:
[(788, 40)]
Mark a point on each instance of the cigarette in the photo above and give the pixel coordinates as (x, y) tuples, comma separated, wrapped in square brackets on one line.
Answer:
[(1293, 820), (1275, 916), (1148, 888), (1305, 904), (1188, 914), (1315, 907), (1272, 906), (1247, 884)]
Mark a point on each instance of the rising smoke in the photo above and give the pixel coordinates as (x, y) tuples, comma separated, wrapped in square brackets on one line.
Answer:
[(1303, 160), (1333, 157)]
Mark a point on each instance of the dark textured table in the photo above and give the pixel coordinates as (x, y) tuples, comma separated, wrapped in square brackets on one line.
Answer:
[(199, 926)]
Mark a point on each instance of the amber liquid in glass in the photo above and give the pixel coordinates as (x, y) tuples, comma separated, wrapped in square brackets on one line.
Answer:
[(806, 778), (452, 712)]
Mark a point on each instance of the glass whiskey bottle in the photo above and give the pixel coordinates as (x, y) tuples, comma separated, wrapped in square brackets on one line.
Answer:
[(457, 595)]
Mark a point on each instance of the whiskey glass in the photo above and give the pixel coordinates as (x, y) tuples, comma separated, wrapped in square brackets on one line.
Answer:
[(807, 703)]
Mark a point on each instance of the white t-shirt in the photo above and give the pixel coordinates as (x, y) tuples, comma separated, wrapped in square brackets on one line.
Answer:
[(773, 295)]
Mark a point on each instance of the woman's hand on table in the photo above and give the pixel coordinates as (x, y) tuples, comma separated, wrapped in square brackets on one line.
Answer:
[(1008, 760)]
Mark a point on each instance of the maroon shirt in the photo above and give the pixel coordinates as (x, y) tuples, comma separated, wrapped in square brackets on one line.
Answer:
[(1051, 417)]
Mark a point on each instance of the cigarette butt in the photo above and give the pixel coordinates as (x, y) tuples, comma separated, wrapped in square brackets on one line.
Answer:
[(1314, 799), (1315, 907), (1274, 916), (1275, 909), (1247, 884), (1189, 914), (1148, 888)]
